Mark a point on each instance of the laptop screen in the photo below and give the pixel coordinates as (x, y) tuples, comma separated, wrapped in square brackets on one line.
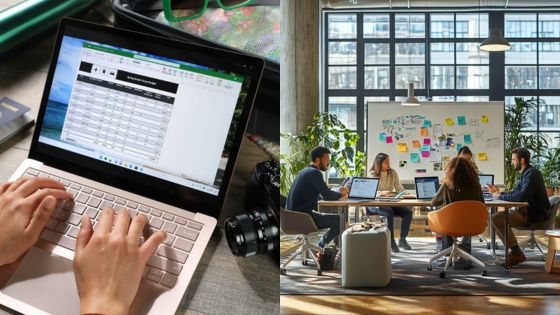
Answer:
[(426, 187), (485, 180), (364, 187), (150, 115)]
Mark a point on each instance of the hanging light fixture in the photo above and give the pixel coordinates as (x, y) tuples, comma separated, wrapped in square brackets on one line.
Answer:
[(494, 42), (410, 100)]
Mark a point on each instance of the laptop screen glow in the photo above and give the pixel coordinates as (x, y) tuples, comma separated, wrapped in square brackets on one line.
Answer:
[(485, 180), (364, 187), (426, 187), (162, 117)]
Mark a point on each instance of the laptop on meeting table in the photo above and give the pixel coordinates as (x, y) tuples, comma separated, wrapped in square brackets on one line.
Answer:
[(136, 121), (363, 189), (486, 179), (426, 187)]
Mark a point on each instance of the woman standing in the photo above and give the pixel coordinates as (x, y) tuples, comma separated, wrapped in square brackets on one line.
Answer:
[(389, 185)]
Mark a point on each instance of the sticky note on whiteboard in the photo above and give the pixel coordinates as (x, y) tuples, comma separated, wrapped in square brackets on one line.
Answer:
[(427, 141), (414, 157), (461, 121), (402, 147), (484, 119), (415, 144), (468, 139), (424, 132), (382, 137), (449, 121), (389, 139), (481, 156)]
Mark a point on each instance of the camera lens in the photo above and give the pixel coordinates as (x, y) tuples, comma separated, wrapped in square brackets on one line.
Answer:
[(252, 233)]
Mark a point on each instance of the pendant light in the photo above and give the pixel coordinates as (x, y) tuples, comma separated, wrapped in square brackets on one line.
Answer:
[(410, 99), (494, 42)]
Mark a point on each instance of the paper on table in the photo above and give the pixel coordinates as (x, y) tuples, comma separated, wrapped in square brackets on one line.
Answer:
[(482, 156), (402, 147)]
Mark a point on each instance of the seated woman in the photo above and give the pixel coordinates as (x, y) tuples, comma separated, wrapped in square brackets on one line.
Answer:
[(460, 183), (466, 153), (389, 185)]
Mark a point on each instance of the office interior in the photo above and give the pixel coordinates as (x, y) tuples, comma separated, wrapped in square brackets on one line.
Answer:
[(338, 56)]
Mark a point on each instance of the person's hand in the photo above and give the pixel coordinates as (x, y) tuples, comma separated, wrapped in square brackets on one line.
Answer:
[(25, 207), (108, 264), (387, 194), (493, 189), (344, 191)]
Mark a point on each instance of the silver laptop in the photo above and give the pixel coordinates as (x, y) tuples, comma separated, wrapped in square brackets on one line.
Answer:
[(426, 187), (139, 122), (486, 179), (363, 189)]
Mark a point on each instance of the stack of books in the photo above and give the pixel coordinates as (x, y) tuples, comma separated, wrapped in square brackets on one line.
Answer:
[(14, 117)]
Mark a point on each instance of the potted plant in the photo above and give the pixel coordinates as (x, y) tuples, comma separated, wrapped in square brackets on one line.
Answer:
[(330, 132), (517, 125), (550, 168)]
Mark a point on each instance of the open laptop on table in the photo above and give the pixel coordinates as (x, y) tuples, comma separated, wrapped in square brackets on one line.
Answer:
[(363, 189), (486, 179), (426, 187), (146, 123)]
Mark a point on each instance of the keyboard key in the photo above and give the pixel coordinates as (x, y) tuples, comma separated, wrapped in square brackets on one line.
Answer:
[(144, 208), (169, 240), (156, 223), (167, 216), (154, 274), (82, 198), (67, 204), (75, 186), (98, 194), (73, 192), (160, 263), (155, 213), (61, 214), (170, 227), (86, 190), (106, 204), (66, 241), (195, 225), (180, 220), (65, 182), (94, 202), (132, 205), (32, 172), (120, 201), (118, 208), (73, 232), (133, 213), (109, 197), (62, 227), (187, 233), (183, 244), (91, 212), (172, 253), (74, 219), (79, 208), (168, 280)]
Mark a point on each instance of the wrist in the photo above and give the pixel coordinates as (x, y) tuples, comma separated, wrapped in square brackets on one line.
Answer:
[(102, 306)]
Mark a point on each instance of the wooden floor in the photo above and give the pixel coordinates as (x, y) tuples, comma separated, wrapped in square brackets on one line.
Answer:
[(396, 305)]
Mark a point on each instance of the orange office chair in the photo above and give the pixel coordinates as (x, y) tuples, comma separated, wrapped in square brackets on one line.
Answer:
[(460, 218)]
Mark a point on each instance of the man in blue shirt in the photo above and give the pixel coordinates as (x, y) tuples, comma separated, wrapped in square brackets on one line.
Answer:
[(306, 189), (530, 188)]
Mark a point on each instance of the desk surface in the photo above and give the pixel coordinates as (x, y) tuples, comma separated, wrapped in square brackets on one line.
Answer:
[(223, 283), (409, 203)]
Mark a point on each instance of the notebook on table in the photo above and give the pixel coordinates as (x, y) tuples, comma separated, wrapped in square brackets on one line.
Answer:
[(133, 121)]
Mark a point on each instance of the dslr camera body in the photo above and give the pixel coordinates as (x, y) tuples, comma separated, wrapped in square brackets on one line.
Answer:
[(257, 230)]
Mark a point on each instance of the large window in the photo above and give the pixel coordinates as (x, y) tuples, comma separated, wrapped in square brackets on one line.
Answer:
[(372, 56)]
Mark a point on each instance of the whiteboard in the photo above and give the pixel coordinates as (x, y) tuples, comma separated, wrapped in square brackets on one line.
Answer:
[(421, 140)]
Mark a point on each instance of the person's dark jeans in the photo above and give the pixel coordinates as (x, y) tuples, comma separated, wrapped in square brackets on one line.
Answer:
[(390, 212), (328, 220), (448, 241)]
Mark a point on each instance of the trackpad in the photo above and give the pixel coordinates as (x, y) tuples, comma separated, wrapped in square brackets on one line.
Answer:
[(45, 281)]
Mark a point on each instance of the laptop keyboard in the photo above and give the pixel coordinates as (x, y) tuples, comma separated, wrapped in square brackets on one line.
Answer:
[(163, 267)]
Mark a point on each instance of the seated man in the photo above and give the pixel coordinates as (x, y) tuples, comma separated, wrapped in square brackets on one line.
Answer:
[(306, 189), (531, 189)]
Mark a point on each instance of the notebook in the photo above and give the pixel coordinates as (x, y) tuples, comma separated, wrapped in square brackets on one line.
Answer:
[(363, 188), (133, 121), (426, 187), (486, 179)]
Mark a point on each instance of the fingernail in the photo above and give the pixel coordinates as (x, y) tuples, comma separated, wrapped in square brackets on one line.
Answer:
[(51, 203)]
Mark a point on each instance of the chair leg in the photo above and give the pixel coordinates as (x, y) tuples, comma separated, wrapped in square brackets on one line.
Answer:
[(449, 259), (466, 256), (441, 254), (314, 258), (299, 251)]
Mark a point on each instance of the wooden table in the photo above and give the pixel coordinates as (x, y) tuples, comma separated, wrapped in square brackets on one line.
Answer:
[(343, 205), (222, 283)]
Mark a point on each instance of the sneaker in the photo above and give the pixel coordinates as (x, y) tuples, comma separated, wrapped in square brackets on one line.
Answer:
[(394, 246), (515, 259), (404, 244)]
